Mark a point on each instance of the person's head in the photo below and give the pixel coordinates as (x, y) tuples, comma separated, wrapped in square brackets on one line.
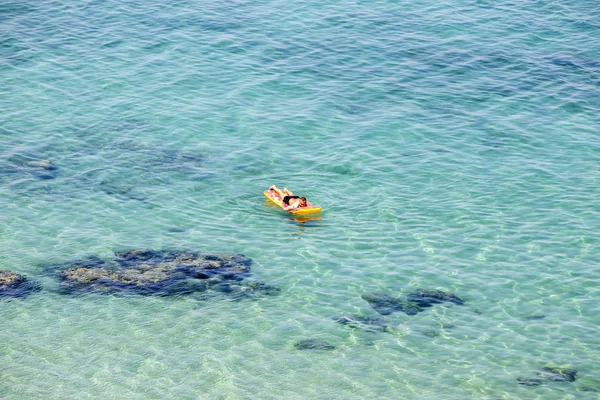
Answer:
[(303, 202)]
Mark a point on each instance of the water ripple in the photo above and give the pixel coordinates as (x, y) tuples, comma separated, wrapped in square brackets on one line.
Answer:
[(452, 146)]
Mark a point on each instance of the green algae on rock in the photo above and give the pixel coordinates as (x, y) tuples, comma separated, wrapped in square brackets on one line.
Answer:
[(13, 285), (152, 272)]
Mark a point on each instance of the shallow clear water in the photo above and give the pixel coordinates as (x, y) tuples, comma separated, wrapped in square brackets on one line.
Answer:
[(453, 145)]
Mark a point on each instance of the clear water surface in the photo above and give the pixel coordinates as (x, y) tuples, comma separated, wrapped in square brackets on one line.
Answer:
[(453, 145)]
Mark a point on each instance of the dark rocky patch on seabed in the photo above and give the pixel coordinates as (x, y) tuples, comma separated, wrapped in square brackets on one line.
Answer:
[(554, 374), (529, 381), (41, 164), (313, 344), (428, 297), (176, 229), (385, 304), (13, 285), (161, 273), (18, 167), (236, 290), (535, 317), (413, 304), (369, 324), (558, 374)]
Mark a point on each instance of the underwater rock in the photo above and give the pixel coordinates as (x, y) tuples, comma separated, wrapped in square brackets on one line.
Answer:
[(385, 304), (428, 297), (141, 255), (369, 324), (88, 262), (529, 381), (6, 169), (169, 158), (116, 189), (139, 279), (120, 191), (42, 169), (162, 273), (413, 304), (44, 164), (16, 285), (558, 374), (238, 290), (588, 389), (535, 317), (203, 266), (18, 166), (432, 333), (313, 344), (176, 229), (45, 176), (259, 289)]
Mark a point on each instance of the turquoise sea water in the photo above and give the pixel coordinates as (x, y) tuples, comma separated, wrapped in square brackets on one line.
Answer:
[(453, 145)]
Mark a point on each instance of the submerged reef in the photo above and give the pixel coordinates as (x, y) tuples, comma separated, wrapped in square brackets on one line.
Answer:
[(46, 165), (236, 290), (19, 166), (42, 169), (558, 374), (552, 374), (13, 285), (153, 166), (385, 304), (253, 289), (369, 324), (413, 304), (529, 381), (429, 297), (535, 317), (313, 344), (162, 273)]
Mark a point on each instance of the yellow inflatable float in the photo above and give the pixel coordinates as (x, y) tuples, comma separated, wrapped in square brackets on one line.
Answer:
[(275, 198)]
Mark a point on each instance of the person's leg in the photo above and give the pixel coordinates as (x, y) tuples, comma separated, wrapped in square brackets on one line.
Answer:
[(287, 192), (277, 190)]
